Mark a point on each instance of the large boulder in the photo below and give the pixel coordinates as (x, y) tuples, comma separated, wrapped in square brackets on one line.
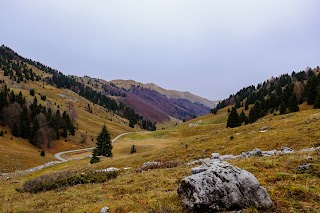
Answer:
[(218, 186)]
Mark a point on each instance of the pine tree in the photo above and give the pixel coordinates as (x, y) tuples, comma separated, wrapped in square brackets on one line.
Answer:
[(133, 149), (233, 119), (310, 90), (238, 104), (104, 144), (282, 108), (255, 112), (15, 130), (317, 102), (25, 123), (293, 103), (94, 158), (242, 117), (246, 106)]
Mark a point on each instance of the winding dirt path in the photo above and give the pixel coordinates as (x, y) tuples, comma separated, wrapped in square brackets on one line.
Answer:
[(58, 155)]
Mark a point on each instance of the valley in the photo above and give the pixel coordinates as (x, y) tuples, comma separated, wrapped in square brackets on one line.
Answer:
[(280, 114), (155, 189)]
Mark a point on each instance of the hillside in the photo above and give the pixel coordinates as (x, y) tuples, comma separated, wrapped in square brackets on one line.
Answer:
[(151, 101), (87, 123), (128, 84), (271, 125), (155, 190)]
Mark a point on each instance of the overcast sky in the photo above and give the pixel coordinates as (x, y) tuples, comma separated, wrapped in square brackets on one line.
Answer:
[(208, 47)]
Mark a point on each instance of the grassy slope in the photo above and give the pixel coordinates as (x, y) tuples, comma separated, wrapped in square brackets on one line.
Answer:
[(156, 189), (89, 124)]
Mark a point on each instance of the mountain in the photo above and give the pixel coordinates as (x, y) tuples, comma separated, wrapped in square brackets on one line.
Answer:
[(151, 101), (128, 84)]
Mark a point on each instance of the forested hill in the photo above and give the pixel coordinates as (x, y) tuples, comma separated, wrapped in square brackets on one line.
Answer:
[(278, 95), (16, 67)]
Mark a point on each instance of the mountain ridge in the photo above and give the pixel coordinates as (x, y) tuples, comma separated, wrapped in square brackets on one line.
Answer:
[(127, 84)]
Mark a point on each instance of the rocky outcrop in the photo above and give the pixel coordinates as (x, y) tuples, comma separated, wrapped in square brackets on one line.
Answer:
[(217, 185)]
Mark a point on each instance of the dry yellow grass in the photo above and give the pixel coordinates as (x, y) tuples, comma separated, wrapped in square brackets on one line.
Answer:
[(156, 189), (88, 124)]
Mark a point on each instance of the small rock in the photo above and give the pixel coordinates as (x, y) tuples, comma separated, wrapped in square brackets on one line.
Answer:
[(105, 209), (228, 157), (215, 156), (286, 150), (111, 169), (304, 167), (269, 153), (150, 165), (8, 178), (309, 158), (255, 152)]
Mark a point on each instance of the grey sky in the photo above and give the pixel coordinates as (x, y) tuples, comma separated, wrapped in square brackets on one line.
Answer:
[(209, 47)]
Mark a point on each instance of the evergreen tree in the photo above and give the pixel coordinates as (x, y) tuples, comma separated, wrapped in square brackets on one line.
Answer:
[(94, 158), (15, 130), (133, 149), (32, 92), (317, 102), (25, 123), (214, 110), (104, 144), (293, 103), (282, 108), (242, 117), (238, 104), (311, 89), (233, 119), (255, 112), (246, 106)]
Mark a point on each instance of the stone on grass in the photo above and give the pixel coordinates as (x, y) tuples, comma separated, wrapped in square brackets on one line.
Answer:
[(105, 209), (215, 156), (304, 167), (219, 186), (286, 150), (111, 169)]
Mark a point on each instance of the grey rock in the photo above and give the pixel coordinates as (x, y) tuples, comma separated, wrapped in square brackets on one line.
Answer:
[(215, 156), (304, 167), (255, 152), (286, 150), (111, 169), (269, 153), (149, 165), (105, 209), (218, 186), (229, 157)]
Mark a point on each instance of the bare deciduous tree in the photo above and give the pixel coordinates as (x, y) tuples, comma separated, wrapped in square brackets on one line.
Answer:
[(51, 136), (40, 138), (12, 114), (72, 112), (42, 120)]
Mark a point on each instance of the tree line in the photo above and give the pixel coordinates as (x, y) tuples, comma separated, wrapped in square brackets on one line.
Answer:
[(282, 94), (40, 125), (10, 59)]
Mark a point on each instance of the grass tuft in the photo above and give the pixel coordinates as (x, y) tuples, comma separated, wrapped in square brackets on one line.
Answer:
[(61, 180)]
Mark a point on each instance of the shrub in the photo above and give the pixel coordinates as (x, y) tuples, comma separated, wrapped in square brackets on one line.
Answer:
[(94, 159), (32, 92), (133, 149), (42, 153), (1, 133), (64, 179)]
